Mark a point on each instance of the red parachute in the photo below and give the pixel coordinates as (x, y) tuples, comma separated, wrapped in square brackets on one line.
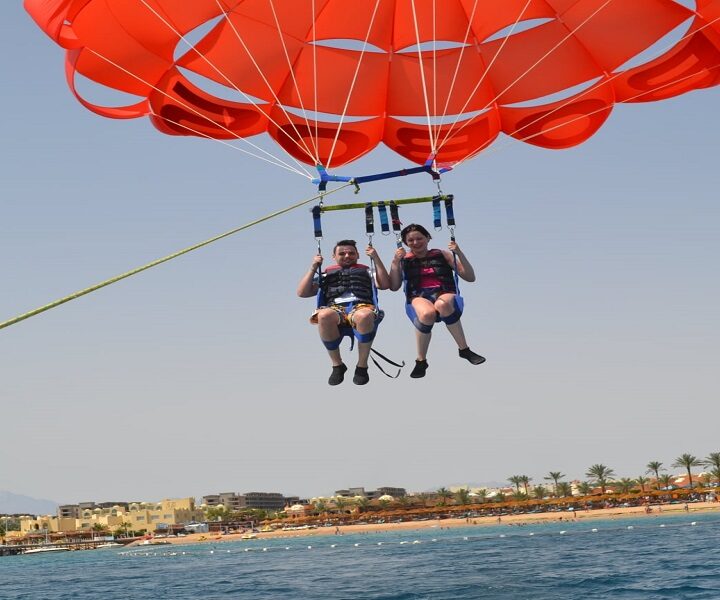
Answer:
[(330, 79)]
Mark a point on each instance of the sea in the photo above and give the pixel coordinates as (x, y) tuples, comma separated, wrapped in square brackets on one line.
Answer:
[(674, 557)]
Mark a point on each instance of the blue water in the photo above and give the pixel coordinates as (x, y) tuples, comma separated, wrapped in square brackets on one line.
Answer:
[(646, 558)]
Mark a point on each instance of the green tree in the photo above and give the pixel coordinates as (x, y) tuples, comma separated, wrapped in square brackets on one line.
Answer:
[(564, 489), (601, 475), (654, 467), (462, 496), (519, 496), (481, 496), (516, 480), (625, 485), (540, 492), (712, 460), (584, 488), (716, 474), (444, 494), (687, 462), (340, 503), (665, 481), (525, 480), (362, 504), (384, 503), (555, 477), (642, 482)]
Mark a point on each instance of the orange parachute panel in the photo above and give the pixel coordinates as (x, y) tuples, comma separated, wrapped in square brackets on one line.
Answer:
[(329, 80)]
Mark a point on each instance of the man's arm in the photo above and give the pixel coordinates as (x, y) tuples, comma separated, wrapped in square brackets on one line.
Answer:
[(307, 286)]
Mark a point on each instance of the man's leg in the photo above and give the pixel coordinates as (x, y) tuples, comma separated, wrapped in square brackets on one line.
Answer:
[(363, 321), (328, 326)]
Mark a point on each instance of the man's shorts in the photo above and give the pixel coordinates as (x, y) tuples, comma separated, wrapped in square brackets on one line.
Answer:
[(345, 316)]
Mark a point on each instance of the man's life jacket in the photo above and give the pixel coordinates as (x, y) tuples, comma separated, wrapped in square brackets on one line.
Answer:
[(414, 267), (345, 285)]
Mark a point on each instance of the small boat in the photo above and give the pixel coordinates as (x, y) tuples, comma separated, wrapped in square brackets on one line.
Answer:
[(108, 545), (248, 536), (46, 550)]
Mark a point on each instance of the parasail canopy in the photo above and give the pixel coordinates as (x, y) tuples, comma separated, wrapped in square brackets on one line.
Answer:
[(329, 80)]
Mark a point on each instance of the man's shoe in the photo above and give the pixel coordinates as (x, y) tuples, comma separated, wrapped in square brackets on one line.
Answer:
[(419, 370), (471, 357), (361, 376), (338, 374)]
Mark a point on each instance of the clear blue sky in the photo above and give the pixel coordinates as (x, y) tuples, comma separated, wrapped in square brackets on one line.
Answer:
[(596, 306)]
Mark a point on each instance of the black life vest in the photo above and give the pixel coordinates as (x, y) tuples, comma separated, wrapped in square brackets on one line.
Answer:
[(337, 282), (434, 259)]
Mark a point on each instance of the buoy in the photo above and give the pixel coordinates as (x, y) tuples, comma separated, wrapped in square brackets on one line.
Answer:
[(594, 530), (630, 527), (563, 532), (693, 523)]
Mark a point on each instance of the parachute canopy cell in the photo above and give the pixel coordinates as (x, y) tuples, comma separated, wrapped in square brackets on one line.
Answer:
[(329, 80)]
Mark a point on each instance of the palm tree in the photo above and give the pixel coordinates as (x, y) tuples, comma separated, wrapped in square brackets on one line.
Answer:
[(563, 489), (516, 480), (540, 492), (362, 504), (444, 494), (584, 488), (601, 474), (518, 495), (625, 485), (525, 480), (666, 481), (716, 474), (340, 503), (481, 496), (462, 496), (641, 481), (712, 460), (654, 466), (687, 462), (555, 477)]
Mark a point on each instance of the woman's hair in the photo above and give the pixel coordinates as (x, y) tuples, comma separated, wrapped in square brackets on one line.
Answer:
[(414, 227)]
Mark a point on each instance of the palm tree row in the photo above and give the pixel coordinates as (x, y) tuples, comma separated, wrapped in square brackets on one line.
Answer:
[(601, 476)]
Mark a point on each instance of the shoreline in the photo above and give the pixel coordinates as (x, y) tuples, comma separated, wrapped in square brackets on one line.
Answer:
[(518, 519)]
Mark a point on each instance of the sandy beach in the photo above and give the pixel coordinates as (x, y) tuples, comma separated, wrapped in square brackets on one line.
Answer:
[(658, 511)]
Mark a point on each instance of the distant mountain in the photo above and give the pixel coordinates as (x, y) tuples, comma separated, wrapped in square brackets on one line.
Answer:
[(14, 504)]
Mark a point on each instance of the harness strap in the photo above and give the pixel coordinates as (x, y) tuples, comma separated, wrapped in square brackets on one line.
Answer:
[(449, 213), (387, 360), (437, 216), (396, 223), (316, 211), (384, 223), (369, 220)]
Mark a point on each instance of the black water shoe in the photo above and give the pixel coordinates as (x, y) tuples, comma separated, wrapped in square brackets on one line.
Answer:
[(471, 357), (338, 374), (361, 376), (419, 370)]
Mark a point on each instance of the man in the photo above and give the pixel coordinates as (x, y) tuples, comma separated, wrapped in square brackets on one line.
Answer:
[(346, 301)]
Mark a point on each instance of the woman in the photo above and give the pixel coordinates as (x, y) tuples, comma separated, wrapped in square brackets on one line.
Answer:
[(430, 291)]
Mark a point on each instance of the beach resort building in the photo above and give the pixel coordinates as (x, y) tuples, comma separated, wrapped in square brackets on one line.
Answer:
[(134, 516), (353, 492), (263, 500)]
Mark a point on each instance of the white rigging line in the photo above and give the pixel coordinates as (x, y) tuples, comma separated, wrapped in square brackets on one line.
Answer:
[(299, 142), (292, 75), (352, 84), (435, 85), (275, 160), (451, 134), (315, 79), (229, 145), (422, 79), (223, 75), (511, 139)]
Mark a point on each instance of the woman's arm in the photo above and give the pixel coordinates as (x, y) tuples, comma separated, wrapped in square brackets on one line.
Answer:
[(464, 268)]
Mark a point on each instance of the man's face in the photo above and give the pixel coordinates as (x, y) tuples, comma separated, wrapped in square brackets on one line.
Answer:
[(346, 256)]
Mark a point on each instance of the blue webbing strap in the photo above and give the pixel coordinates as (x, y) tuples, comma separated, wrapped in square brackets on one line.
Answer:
[(437, 216), (384, 223), (325, 177), (316, 211)]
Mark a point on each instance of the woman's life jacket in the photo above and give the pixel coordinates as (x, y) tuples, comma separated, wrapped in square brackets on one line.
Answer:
[(432, 269), (347, 285)]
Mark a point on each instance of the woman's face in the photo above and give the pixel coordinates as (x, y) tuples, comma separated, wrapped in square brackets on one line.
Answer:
[(416, 241)]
